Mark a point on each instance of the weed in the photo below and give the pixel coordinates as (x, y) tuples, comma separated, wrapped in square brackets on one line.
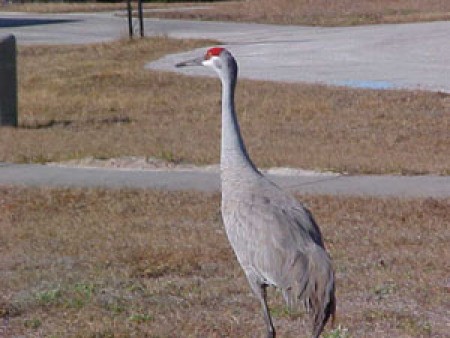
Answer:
[(413, 326), (339, 332), (32, 323), (49, 297), (168, 156), (75, 303), (281, 311), (85, 289), (115, 306), (108, 333), (136, 288), (384, 290), (140, 318)]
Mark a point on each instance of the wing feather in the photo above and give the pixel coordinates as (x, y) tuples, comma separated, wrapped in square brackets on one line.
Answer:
[(270, 232)]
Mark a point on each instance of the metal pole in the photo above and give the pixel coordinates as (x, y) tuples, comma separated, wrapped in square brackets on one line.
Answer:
[(141, 18), (130, 19)]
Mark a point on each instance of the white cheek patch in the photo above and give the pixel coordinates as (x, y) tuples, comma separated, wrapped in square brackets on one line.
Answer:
[(208, 63), (212, 62)]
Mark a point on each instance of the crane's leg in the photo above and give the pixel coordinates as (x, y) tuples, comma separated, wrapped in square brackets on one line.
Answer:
[(261, 294)]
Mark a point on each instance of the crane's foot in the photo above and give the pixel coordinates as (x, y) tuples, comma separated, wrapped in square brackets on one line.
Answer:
[(271, 334)]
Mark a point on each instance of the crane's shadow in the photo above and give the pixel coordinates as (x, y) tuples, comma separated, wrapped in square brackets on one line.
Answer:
[(21, 22)]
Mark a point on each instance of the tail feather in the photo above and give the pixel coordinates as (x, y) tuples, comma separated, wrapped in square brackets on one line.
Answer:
[(316, 288), (325, 309)]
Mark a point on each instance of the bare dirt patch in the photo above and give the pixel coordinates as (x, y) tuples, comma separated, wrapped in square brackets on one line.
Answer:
[(135, 263)]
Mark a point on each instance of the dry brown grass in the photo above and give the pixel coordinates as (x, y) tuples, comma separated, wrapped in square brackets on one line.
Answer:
[(96, 263), (97, 100), (71, 7), (320, 12)]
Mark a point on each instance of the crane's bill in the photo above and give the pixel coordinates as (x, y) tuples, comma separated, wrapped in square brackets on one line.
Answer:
[(193, 62)]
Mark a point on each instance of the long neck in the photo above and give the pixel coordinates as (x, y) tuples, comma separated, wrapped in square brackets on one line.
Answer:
[(234, 157)]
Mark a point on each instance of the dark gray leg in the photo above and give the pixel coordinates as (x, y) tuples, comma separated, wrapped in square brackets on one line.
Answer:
[(260, 292)]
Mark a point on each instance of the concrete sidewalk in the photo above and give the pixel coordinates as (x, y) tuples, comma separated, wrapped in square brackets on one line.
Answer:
[(377, 186)]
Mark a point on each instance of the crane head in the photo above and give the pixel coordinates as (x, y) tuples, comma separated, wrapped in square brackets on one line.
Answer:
[(217, 58), (205, 60)]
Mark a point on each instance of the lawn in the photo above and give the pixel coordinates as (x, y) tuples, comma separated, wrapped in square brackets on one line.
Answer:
[(97, 100), (120, 263)]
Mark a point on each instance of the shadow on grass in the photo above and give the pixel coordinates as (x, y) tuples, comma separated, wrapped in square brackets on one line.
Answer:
[(70, 123)]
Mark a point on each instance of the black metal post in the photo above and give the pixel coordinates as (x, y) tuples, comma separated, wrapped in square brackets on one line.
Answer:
[(8, 81), (130, 19), (141, 18)]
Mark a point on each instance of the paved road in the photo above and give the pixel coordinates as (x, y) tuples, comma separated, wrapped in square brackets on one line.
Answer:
[(380, 186), (410, 56), (383, 56)]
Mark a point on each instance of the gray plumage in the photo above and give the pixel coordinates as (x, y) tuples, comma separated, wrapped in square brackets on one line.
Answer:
[(275, 238)]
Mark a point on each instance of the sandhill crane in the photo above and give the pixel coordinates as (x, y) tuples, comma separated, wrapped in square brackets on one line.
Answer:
[(275, 238)]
